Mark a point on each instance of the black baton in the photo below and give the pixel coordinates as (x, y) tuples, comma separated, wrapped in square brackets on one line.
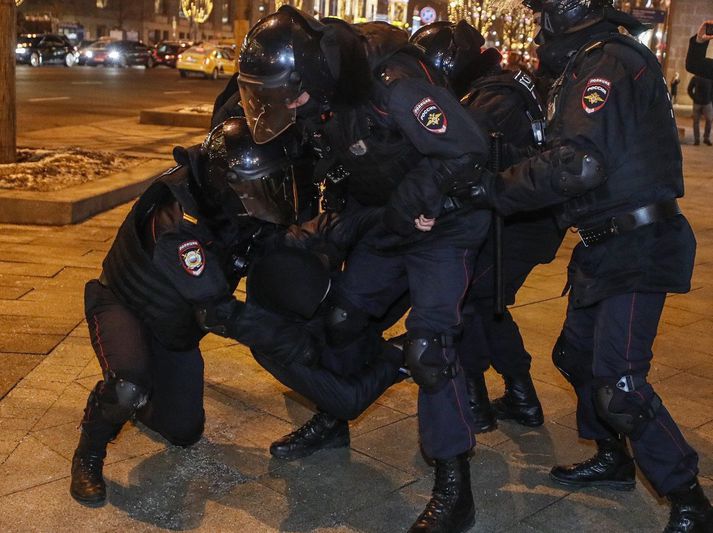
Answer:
[(495, 164)]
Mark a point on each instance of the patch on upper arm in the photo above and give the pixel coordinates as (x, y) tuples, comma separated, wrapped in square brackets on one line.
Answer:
[(192, 257), (596, 94), (430, 116)]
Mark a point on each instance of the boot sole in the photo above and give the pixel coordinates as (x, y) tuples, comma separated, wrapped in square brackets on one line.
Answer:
[(605, 484), (485, 429), (88, 502), (293, 456), (522, 421)]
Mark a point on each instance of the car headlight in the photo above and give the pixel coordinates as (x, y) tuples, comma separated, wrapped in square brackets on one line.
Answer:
[(20, 50), (114, 54), (89, 54), (206, 61), (179, 57)]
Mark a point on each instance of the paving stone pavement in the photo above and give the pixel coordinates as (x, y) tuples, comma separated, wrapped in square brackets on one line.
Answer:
[(228, 481)]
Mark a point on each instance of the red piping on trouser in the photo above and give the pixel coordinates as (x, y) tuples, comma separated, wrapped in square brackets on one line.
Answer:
[(100, 352)]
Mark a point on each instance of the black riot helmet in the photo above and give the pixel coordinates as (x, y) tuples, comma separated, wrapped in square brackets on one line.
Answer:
[(246, 179), (288, 53), (561, 16), (455, 51), (279, 60)]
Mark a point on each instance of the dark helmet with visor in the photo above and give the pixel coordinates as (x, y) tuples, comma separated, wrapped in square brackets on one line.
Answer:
[(247, 179), (561, 16), (279, 60), (455, 51)]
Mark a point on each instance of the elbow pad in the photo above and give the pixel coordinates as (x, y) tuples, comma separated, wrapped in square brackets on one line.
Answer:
[(576, 172)]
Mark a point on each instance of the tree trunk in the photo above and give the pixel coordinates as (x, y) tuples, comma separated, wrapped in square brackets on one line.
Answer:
[(7, 81)]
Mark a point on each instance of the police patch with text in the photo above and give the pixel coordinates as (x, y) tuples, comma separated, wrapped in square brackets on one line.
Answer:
[(430, 116), (192, 258), (595, 95)]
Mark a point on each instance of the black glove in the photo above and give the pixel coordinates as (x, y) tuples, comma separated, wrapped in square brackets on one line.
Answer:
[(576, 171)]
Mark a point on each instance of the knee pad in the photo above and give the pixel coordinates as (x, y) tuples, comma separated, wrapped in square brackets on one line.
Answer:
[(424, 358), (625, 410), (575, 365), (345, 323), (119, 399)]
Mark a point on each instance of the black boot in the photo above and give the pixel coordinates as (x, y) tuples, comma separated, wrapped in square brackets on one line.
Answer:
[(320, 432), (691, 511), (612, 467), (520, 402), (87, 486), (480, 403), (451, 508)]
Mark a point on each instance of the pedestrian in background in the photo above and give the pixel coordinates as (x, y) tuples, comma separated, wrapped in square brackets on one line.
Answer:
[(674, 87), (696, 61), (701, 92)]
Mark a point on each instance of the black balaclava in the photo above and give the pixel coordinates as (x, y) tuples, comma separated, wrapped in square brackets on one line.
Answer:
[(557, 50)]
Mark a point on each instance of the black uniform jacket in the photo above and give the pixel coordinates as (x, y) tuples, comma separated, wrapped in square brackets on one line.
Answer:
[(166, 259), (393, 146), (532, 237), (612, 101)]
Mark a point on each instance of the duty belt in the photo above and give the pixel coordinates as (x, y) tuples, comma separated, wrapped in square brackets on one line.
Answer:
[(624, 222)]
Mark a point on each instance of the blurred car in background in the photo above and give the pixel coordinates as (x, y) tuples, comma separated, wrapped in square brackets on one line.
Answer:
[(82, 48), (166, 52), (212, 61), (37, 50), (127, 53), (96, 53), (86, 49)]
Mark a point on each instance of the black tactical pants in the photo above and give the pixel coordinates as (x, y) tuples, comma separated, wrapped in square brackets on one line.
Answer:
[(530, 239), (618, 334), (126, 350), (437, 280)]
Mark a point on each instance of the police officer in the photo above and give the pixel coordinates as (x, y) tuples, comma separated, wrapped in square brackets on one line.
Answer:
[(169, 278), (391, 134), (504, 102), (611, 99)]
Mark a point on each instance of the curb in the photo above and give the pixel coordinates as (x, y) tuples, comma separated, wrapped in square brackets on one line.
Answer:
[(74, 204), (168, 116)]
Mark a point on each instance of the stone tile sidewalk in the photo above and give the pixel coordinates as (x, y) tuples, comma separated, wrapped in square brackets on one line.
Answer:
[(228, 482)]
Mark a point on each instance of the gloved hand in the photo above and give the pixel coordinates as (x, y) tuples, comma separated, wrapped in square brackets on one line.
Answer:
[(576, 171), (474, 189)]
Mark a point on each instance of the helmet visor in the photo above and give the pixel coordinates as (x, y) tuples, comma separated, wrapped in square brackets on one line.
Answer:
[(266, 107), (272, 197)]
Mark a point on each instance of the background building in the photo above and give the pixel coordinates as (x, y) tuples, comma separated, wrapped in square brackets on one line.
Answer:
[(504, 23), (146, 20)]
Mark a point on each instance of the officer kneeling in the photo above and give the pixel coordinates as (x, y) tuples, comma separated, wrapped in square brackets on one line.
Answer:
[(168, 279)]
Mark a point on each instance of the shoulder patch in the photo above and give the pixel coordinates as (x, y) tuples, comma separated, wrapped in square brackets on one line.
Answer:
[(430, 116), (192, 258), (595, 95)]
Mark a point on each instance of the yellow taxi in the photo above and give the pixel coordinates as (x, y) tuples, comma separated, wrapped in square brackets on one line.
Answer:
[(210, 60)]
